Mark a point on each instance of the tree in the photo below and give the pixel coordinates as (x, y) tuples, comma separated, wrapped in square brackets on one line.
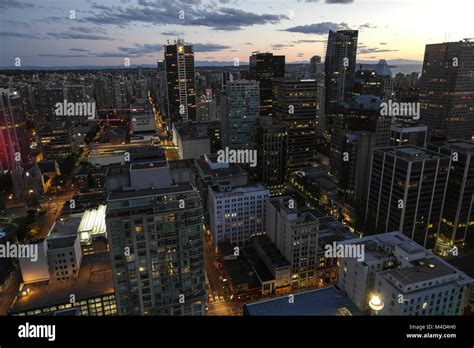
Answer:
[(32, 200)]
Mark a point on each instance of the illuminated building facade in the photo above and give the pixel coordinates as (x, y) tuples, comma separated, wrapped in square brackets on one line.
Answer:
[(458, 212), (57, 140), (447, 90), (264, 67), (409, 133), (180, 82), (157, 254), (296, 103), (240, 112), (93, 293), (340, 67), (13, 138), (270, 138), (405, 277), (295, 233), (236, 213), (407, 191)]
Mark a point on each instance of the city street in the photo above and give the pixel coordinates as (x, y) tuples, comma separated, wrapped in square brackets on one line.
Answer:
[(52, 207), (219, 294), (167, 145)]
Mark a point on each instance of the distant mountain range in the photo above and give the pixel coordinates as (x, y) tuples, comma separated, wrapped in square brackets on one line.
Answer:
[(397, 65)]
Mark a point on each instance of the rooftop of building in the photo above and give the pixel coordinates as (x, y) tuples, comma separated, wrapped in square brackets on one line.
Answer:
[(47, 166), (149, 165), (313, 171), (262, 272), (326, 301), (225, 187), (248, 267), (411, 153), (93, 221), (181, 164), (374, 246), (331, 230), (364, 102), (273, 253), (63, 233), (422, 270), (211, 169), (55, 125), (104, 150), (84, 201), (129, 194), (408, 126), (463, 146), (94, 279), (301, 215), (240, 272), (292, 80), (191, 130)]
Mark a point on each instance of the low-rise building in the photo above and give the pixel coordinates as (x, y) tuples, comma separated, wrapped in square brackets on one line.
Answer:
[(295, 232), (192, 140), (329, 301), (210, 172), (403, 276), (91, 293), (236, 212)]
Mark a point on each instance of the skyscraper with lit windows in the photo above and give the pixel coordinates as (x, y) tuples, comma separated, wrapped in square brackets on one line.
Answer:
[(180, 82)]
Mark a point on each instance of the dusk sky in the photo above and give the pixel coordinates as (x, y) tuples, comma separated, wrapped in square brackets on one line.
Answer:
[(42, 33)]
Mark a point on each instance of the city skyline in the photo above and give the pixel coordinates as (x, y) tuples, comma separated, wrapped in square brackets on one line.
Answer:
[(53, 34), (230, 158)]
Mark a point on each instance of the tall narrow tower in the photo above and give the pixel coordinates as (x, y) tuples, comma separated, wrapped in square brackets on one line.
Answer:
[(180, 82)]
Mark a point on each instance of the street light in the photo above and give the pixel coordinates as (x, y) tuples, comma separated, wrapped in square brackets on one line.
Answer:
[(376, 303)]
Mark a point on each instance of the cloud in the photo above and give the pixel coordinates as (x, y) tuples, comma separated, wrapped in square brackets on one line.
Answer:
[(280, 46), (300, 55), (249, 44), (318, 28), (62, 55), (111, 55), (89, 30), (172, 33), (308, 41), (18, 35), (181, 12), (78, 50), (78, 36), (16, 23), (140, 50), (15, 4), (209, 47), (383, 43), (234, 19), (367, 26), (370, 50)]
